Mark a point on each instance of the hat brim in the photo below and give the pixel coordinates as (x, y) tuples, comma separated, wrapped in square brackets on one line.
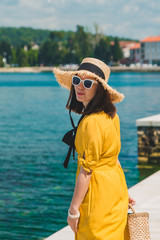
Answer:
[(64, 78)]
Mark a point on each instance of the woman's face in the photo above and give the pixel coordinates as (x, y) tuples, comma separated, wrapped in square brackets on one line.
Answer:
[(85, 95)]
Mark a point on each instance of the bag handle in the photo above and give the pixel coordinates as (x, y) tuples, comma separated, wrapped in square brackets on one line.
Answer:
[(131, 207)]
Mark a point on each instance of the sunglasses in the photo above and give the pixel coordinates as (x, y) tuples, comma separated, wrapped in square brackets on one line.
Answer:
[(87, 83)]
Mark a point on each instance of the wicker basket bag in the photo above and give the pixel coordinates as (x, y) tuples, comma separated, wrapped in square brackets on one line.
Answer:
[(138, 225)]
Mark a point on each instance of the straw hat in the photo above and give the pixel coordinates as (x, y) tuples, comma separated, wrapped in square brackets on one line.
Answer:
[(92, 67)]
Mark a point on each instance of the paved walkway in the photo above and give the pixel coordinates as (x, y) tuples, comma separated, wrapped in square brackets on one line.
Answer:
[(147, 196), (151, 121)]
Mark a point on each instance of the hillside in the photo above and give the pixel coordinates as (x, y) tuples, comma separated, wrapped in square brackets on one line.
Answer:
[(24, 36)]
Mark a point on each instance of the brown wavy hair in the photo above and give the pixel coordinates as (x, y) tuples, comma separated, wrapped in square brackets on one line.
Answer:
[(100, 102)]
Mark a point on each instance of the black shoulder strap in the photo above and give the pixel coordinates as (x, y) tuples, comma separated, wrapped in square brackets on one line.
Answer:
[(69, 139), (71, 119)]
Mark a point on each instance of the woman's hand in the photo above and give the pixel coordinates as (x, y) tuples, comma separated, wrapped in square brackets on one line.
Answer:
[(132, 201), (73, 223)]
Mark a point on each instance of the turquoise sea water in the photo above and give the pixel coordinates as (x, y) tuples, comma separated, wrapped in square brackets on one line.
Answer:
[(35, 189)]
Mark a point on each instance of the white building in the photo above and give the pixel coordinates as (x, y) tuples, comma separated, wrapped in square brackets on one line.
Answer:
[(150, 50), (35, 47), (125, 47)]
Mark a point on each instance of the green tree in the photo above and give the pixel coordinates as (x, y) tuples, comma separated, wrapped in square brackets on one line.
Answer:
[(98, 34), (1, 61), (82, 45), (116, 51), (70, 48), (59, 39), (49, 53), (102, 50), (32, 57), (5, 50), (57, 36), (23, 35), (21, 57), (14, 57)]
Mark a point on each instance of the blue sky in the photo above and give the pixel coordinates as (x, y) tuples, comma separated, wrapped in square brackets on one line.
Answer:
[(135, 19)]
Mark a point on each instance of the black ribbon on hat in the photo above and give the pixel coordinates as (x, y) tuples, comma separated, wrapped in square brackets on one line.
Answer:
[(92, 68), (69, 139)]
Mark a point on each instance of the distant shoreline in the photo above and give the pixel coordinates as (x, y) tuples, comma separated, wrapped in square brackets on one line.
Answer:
[(50, 69)]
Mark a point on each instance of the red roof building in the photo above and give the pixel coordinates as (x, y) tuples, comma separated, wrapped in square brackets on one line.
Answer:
[(135, 46), (150, 50), (135, 53), (151, 39), (125, 47)]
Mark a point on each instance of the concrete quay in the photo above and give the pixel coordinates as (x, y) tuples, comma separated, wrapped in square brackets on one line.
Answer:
[(151, 121), (147, 196), (72, 68), (26, 69), (149, 139)]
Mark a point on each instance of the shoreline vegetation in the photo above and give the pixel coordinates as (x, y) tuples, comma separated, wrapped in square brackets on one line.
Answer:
[(20, 47), (50, 69)]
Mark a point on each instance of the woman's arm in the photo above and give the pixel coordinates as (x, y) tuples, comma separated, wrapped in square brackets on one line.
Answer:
[(119, 162), (80, 190)]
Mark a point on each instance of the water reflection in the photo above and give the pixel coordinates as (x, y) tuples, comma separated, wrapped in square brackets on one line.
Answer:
[(147, 169)]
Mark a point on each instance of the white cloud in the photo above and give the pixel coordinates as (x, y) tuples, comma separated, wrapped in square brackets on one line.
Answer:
[(135, 18), (107, 27), (9, 2), (130, 9), (122, 29), (156, 20)]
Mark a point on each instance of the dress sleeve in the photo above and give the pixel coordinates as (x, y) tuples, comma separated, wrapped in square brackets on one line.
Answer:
[(90, 143)]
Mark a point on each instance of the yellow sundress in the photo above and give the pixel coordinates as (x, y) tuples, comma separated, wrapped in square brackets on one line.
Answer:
[(105, 205)]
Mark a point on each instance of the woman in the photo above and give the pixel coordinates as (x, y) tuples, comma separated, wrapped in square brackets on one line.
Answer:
[(98, 210)]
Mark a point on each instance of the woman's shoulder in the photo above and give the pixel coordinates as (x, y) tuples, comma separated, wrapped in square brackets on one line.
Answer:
[(102, 115), (100, 118)]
